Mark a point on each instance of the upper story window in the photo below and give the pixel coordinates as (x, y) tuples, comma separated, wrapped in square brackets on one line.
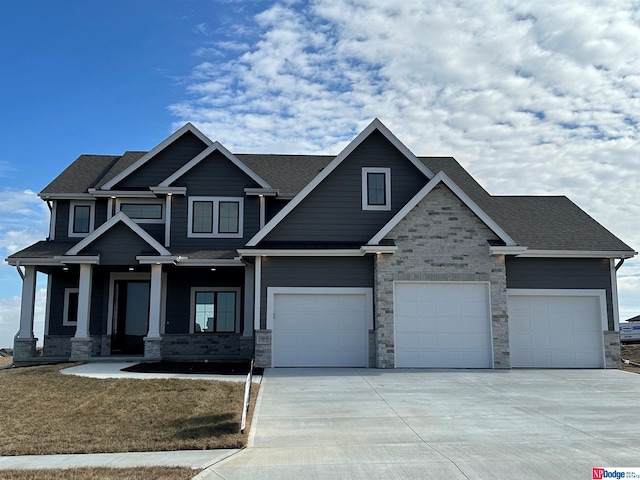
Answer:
[(215, 217), (81, 219), (376, 188), (143, 211)]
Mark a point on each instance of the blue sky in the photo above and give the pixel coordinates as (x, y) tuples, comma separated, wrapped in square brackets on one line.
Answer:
[(531, 97)]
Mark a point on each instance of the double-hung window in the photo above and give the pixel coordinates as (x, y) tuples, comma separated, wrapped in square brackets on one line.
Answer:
[(215, 217), (81, 218), (376, 188), (215, 310)]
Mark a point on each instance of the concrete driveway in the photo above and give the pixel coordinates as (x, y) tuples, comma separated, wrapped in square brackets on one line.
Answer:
[(467, 424)]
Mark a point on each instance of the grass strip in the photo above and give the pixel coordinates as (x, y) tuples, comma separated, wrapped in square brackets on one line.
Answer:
[(46, 412)]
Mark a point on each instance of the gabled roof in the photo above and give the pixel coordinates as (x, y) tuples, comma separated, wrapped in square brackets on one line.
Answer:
[(442, 177), (188, 127), (215, 146), (81, 175), (108, 225), (375, 125), (287, 173)]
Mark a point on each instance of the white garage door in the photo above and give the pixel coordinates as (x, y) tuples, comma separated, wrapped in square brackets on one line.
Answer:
[(327, 329), (442, 325), (561, 331)]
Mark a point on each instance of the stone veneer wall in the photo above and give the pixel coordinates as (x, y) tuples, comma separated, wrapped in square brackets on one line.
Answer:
[(214, 346), (612, 353), (442, 240)]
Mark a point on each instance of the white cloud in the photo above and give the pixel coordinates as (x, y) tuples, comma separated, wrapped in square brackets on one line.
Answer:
[(25, 220), (526, 103), (10, 318)]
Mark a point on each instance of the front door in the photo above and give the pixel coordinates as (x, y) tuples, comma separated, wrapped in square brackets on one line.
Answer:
[(130, 316)]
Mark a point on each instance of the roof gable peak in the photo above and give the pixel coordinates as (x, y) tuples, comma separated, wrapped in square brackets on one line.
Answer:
[(108, 225), (187, 127), (375, 125)]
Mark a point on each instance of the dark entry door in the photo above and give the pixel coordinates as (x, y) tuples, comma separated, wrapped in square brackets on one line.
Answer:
[(130, 316)]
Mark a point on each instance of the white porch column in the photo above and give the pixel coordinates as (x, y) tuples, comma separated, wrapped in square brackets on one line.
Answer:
[(155, 301), (248, 301), (84, 301), (258, 287), (28, 303)]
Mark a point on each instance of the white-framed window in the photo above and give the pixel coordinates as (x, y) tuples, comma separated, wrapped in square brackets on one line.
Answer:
[(142, 211), (81, 218), (376, 188), (215, 217), (70, 307), (215, 310)]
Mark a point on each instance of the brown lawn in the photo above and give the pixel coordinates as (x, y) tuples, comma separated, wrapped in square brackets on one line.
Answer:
[(46, 412), (630, 351), (5, 361), (145, 473)]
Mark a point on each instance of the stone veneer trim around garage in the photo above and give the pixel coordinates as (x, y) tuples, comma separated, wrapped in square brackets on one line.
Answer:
[(442, 240)]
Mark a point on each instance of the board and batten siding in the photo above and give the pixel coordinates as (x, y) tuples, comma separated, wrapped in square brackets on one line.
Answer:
[(332, 212), (313, 272), (164, 163), (562, 273)]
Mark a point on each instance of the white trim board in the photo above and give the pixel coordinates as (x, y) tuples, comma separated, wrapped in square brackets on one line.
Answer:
[(215, 146), (442, 177), (105, 227), (373, 126), (187, 127)]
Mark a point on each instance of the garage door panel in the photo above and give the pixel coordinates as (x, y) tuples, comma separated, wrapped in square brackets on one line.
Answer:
[(323, 329), (562, 331), (451, 324)]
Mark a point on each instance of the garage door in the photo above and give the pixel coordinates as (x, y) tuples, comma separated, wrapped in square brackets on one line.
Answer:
[(560, 331), (321, 328), (442, 325)]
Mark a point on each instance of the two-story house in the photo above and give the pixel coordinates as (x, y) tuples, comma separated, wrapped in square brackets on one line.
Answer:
[(373, 257)]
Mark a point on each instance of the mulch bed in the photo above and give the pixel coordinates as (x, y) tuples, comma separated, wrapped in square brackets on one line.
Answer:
[(218, 368)]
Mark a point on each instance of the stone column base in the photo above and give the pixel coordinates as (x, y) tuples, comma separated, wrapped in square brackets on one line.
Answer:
[(612, 354), (263, 348), (24, 349), (81, 348), (153, 348)]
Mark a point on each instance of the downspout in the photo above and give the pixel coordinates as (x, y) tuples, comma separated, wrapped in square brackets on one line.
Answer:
[(619, 264)]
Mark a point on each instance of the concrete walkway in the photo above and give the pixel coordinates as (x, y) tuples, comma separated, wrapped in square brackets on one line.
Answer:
[(196, 459), (462, 424)]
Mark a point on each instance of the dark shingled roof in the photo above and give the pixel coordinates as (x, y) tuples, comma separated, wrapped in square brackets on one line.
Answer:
[(287, 173), (44, 249), (546, 223)]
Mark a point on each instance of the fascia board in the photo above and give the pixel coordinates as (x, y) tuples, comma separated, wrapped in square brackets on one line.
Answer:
[(285, 252), (66, 196), (326, 171), (155, 259), (29, 261), (169, 190), (215, 146), (78, 259), (531, 253), (187, 127), (504, 250), (105, 227), (203, 262), (442, 177), (122, 193)]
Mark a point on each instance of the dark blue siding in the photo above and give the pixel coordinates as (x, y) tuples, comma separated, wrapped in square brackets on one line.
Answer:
[(560, 273), (164, 164), (313, 272), (332, 212), (182, 279)]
